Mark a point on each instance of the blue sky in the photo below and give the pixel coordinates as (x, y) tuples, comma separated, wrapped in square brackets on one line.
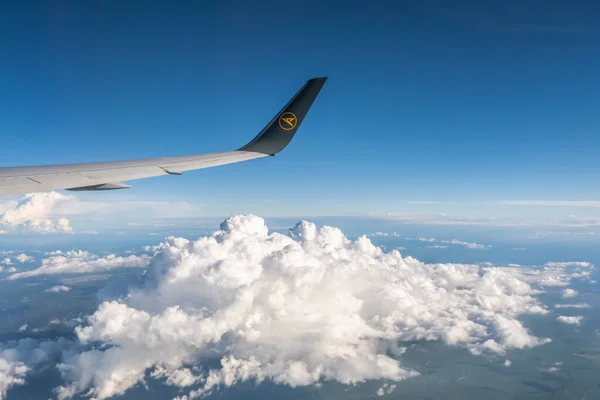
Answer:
[(460, 104)]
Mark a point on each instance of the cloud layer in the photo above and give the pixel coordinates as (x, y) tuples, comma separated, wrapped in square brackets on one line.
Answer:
[(78, 262), (294, 310), (445, 243), (18, 358)]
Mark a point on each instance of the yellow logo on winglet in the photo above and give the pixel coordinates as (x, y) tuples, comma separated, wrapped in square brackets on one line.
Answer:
[(288, 121)]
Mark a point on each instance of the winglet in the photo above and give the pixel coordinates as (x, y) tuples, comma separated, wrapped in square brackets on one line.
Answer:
[(279, 132)]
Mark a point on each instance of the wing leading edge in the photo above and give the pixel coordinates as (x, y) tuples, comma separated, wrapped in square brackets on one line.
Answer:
[(108, 175)]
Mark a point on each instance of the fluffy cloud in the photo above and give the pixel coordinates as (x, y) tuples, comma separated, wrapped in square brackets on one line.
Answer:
[(50, 212), (385, 234), (32, 214), (7, 261), (294, 310), (58, 289), (18, 358), (568, 293), (570, 320), (385, 389), (558, 273), (78, 262), (23, 258)]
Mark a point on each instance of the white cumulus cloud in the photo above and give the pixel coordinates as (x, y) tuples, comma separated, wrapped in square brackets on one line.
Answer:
[(294, 310), (58, 289), (385, 389), (570, 320), (23, 258), (569, 293), (558, 274), (32, 213), (78, 262)]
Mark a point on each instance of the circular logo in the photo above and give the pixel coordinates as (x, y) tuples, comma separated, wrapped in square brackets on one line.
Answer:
[(287, 121)]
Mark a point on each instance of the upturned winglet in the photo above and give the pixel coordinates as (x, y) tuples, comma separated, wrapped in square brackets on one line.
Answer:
[(279, 132)]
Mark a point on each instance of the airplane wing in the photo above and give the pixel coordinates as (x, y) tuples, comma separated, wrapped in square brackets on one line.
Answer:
[(109, 175)]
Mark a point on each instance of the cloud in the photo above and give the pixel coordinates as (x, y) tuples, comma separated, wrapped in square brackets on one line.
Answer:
[(343, 307), (570, 320), (385, 234), (507, 363), (439, 219), (469, 245), (519, 217), (385, 389), (11, 269), (569, 293), (564, 264), (552, 203), (51, 212), (58, 289), (541, 234), (436, 246), (556, 274), (579, 305), (89, 232), (7, 261), (23, 258), (78, 262), (32, 214), (18, 358)]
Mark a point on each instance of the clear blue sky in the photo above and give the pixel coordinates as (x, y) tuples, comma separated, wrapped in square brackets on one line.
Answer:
[(427, 100)]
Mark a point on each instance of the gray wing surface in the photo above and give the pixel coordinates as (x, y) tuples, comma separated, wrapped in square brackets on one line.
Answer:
[(109, 175)]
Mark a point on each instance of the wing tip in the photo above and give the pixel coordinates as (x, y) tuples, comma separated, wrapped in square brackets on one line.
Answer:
[(274, 137)]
